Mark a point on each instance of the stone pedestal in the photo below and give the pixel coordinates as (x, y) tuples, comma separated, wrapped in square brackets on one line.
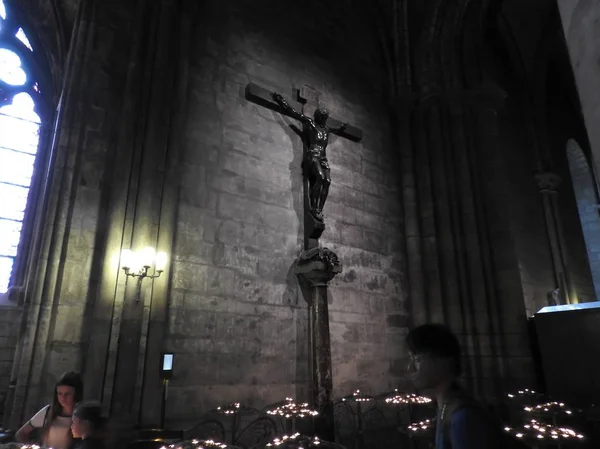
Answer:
[(315, 268)]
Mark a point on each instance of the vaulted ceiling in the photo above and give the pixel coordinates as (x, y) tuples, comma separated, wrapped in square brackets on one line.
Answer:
[(68, 10), (48, 24), (527, 22)]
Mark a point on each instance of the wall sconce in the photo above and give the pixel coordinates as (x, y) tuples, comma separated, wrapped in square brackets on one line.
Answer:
[(138, 264)]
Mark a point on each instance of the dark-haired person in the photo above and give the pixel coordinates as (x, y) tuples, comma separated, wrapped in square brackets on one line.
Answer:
[(88, 424), (435, 366), (53, 421)]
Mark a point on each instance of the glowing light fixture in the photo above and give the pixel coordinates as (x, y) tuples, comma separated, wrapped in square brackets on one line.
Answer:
[(146, 263)]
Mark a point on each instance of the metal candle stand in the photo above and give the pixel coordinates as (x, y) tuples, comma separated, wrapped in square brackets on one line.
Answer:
[(298, 441), (358, 398), (531, 431), (233, 410), (408, 400), (534, 432), (236, 411), (290, 411), (199, 444)]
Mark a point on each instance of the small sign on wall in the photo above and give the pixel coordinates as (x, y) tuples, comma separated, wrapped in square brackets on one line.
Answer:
[(166, 371)]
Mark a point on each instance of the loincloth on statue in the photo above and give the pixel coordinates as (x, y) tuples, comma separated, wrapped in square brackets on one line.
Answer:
[(316, 157)]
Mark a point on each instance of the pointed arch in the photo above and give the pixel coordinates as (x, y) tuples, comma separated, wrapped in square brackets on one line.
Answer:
[(25, 109)]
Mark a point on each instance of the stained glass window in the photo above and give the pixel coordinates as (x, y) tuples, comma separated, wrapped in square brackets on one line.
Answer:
[(23, 38), (19, 138)]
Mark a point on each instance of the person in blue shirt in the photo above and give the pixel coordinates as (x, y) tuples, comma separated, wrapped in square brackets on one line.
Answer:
[(434, 368)]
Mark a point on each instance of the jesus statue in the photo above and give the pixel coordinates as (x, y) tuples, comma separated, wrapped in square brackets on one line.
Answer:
[(315, 164)]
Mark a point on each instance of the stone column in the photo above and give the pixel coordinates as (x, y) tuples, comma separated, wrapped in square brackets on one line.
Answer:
[(57, 288), (127, 336), (315, 269), (179, 17), (449, 127), (548, 184), (112, 186)]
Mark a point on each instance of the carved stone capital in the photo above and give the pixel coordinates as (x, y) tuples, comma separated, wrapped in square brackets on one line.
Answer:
[(547, 181), (318, 266)]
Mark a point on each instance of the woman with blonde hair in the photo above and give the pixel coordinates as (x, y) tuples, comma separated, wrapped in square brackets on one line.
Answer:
[(53, 421)]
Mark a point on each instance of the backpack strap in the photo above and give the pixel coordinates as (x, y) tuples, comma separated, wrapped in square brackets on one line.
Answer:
[(446, 417), (458, 402)]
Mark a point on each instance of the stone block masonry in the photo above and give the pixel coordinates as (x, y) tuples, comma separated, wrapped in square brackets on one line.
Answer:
[(579, 19), (10, 320), (156, 145), (237, 317)]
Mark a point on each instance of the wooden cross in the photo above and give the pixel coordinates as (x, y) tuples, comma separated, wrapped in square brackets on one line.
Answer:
[(313, 228), (262, 96)]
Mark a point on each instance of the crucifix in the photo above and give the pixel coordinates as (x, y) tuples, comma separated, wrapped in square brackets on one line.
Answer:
[(315, 135), (316, 266)]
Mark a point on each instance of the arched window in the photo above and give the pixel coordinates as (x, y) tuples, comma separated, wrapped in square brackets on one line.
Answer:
[(21, 108), (587, 205)]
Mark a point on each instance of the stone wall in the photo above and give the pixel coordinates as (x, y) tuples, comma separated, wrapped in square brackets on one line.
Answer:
[(10, 320), (578, 263), (237, 319), (564, 123), (580, 25), (518, 237), (67, 249), (584, 188), (527, 226)]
